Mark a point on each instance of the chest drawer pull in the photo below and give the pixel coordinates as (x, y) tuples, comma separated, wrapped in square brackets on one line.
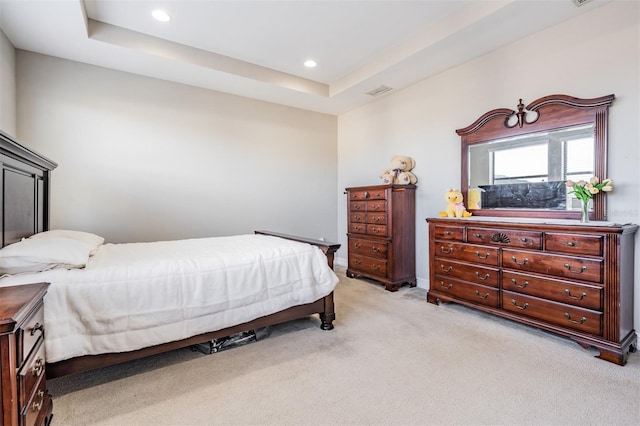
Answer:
[(448, 233), (482, 296), (375, 230), (477, 235), (524, 240), (443, 250), (483, 278), (581, 321), (515, 283), (568, 293), (486, 256), (375, 249), (36, 328), (449, 269), (376, 219), (357, 245), (582, 269), (36, 406), (355, 207), (357, 218), (448, 287), (523, 307), (569, 243), (524, 262), (38, 368), (357, 261)]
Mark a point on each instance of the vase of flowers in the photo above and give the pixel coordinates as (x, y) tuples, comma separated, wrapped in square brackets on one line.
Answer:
[(584, 191)]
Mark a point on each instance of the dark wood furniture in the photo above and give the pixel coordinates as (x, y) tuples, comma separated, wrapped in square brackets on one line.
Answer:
[(381, 234), (24, 211), (546, 114), (568, 278), (23, 384)]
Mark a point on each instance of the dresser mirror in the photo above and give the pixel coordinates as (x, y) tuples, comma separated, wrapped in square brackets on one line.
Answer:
[(516, 162)]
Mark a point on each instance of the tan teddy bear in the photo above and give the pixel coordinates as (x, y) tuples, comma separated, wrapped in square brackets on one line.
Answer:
[(455, 206), (400, 171)]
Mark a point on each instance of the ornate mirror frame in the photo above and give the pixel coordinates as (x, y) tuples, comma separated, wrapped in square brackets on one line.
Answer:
[(545, 114)]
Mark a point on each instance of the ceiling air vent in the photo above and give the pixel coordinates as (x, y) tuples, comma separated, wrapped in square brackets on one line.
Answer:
[(580, 2), (380, 90)]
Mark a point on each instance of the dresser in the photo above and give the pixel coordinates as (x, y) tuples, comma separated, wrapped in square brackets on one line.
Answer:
[(572, 279), (381, 234), (25, 399)]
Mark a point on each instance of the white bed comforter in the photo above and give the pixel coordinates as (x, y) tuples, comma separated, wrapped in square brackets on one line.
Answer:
[(135, 295)]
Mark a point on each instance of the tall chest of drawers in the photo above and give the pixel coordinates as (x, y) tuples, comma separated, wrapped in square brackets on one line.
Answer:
[(568, 278), (25, 399), (381, 234)]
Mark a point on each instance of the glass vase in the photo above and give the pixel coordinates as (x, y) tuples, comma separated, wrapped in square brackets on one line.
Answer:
[(584, 211)]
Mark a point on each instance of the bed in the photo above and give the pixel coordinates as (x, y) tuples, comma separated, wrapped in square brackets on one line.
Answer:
[(110, 303)]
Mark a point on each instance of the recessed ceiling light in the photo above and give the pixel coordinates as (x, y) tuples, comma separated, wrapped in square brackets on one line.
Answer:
[(310, 63), (161, 15)]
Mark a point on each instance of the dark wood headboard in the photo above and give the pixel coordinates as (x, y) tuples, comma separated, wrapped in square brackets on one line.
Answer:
[(25, 188)]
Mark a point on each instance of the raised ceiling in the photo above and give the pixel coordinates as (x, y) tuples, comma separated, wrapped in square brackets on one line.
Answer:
[(257, 48)]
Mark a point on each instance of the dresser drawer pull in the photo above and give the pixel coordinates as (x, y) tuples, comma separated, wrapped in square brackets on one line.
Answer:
[(443, 250), (376, 207), (523, 307), (37, 369), (582, 269), (376, 230), (482, 296), (357, 245), (448, 233), (524, 262), (486, 256), (357, 228), (569, 243), (375, 249), (36, 328), (376, 267), (356, 207), (478, 235), (446, 271), (357, 218), (357, 261), (484, 278), (515, 283), (568, 293), (581, 321), (524, 240), (448, 287), (376, 219), (36, 406)]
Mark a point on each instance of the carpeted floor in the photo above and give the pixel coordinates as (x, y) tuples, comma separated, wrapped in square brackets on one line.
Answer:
[(392, 359)]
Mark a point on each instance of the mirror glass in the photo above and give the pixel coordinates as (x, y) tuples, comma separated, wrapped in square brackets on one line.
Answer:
[(529, 171)]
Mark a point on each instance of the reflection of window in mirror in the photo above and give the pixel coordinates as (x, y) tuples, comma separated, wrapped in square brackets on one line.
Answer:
[(530, 170)]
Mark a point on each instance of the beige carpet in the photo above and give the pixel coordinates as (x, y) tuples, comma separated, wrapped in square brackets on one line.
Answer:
[(392, 359)]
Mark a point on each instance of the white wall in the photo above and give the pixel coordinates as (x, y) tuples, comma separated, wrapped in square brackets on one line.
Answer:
[(142, 159), (7, 86), (590, 56)]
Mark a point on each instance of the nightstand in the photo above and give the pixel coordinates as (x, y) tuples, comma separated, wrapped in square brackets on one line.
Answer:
[(25, 399)]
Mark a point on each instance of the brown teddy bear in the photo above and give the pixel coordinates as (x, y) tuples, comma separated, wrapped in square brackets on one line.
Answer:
[(400, 171)]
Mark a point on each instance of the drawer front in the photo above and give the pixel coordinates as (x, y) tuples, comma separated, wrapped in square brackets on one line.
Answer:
[(505, 237), (473, 293), (30, 374), (377, 218), (467, 252), (574, 244), (369, 248), (560, 314), (467, 272), (358, 228), (29, 333), (377, 230), (454, 233), (376, 206), (358, 206), (584, 296), (31, 411), (554, 264), (376, 194), (358, 217), (369, 265)]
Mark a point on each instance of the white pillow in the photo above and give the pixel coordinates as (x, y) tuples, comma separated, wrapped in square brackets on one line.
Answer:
[(40, 254), (87, 237)]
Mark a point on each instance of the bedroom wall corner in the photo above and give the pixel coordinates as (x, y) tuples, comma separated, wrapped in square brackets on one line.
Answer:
[(7, 86)]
